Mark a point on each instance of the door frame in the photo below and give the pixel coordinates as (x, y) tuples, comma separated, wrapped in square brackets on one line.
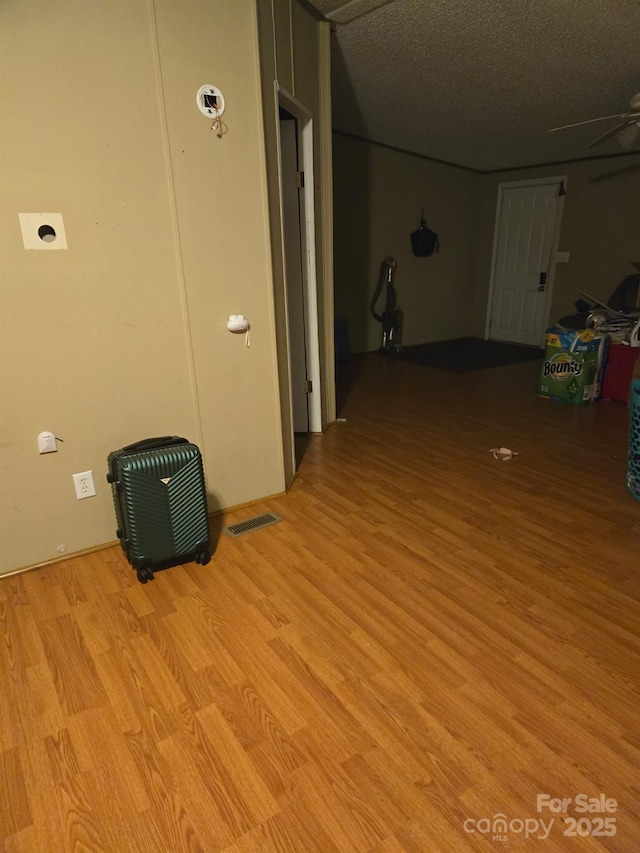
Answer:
[(304, 123), (292, 198), (508, 185)]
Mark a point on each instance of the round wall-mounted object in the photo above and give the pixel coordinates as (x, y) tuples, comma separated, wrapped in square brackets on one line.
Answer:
[(237, 323), (210, 101)]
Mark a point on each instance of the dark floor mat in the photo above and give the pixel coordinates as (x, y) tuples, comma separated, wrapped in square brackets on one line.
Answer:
[(465, 354)]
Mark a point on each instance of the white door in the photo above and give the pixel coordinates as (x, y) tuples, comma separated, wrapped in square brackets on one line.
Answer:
[(525, 233), (293, 273)]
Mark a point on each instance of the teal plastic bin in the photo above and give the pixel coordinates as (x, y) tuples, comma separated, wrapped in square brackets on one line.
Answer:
[(633, 464)]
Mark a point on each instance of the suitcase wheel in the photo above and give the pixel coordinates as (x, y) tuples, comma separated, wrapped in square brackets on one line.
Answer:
[(203, 557), (144, 574)]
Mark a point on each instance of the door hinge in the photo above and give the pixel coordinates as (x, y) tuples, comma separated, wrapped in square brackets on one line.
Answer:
[(308, 386), (300, 180)]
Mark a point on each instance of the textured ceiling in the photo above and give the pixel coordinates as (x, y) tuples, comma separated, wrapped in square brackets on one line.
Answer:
[(479, 82)]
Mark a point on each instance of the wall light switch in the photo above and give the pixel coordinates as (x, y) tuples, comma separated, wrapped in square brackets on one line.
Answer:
[(562, 257), (43, 231)]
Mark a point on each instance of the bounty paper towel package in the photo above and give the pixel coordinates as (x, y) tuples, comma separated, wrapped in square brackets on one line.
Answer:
[(573, 365)]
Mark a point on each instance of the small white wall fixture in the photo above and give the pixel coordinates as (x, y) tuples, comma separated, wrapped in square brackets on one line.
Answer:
[(43, 231), (210, 101)]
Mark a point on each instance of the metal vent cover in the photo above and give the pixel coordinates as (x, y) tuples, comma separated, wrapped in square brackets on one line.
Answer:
[(249, 524)]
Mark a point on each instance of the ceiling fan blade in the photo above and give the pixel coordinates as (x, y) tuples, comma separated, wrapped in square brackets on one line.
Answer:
[(353, 9), (630, 136), (588, 121), (610, 133)]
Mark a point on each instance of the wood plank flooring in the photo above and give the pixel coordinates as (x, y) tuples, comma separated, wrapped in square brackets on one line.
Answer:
[(427, 642)]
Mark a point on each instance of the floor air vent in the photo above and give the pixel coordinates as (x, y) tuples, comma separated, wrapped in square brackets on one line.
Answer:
[(250, 524)]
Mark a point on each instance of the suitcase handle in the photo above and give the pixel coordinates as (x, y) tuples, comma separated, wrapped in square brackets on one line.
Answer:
[(151, 443)]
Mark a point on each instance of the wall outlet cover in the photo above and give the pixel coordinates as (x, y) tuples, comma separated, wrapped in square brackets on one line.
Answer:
[(43, 231), (47, 442), (84, 485)]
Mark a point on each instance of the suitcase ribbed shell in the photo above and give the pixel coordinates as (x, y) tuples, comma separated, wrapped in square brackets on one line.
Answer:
[(161, 503)]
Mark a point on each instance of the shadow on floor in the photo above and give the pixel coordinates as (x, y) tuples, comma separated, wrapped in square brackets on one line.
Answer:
[(301, 441), (346, 375)]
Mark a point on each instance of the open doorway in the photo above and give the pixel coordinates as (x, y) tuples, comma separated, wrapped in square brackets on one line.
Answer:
[(298, 230), (291, 184)]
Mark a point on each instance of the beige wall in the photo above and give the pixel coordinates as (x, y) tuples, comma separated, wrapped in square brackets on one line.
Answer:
[(268, 23), (312, 87), (123, 336), (600, 227), (379, 194)]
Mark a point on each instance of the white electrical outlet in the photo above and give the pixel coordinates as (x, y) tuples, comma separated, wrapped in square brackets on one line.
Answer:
[(85, 487)]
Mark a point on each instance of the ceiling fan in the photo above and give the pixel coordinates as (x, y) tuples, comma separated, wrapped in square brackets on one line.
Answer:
[(627, 132)]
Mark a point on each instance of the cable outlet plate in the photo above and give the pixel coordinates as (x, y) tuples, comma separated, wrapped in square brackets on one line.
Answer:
[(43, 231), (84, 485), (46, 442)]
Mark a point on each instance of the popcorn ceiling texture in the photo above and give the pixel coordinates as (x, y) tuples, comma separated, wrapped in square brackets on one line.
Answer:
[(478, 84)]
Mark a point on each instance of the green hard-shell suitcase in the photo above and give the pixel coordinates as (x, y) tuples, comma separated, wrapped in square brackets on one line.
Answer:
[(161, 504)]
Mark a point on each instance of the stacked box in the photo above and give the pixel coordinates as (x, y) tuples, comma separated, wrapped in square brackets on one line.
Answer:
[(573, 365)]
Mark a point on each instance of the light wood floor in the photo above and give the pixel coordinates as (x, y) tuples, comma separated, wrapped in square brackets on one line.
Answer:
[(429, 637)]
